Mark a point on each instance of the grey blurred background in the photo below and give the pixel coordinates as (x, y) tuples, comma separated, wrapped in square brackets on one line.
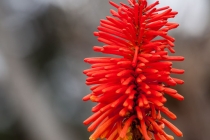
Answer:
[(42, 47)]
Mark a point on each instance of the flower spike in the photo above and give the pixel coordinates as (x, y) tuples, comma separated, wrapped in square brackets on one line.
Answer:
[(129, 88)]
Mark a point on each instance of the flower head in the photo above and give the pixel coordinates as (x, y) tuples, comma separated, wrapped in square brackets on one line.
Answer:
[(130, 87)]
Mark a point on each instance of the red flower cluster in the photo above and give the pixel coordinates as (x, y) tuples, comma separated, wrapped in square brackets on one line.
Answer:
[(130, 88)]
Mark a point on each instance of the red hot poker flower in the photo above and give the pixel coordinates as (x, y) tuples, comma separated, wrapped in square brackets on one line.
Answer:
[(130, 88)]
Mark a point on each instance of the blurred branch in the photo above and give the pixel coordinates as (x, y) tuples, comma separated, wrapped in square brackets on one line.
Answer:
[(33, 109)]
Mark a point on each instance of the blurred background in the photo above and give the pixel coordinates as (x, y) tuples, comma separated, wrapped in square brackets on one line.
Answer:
[(42, 47)]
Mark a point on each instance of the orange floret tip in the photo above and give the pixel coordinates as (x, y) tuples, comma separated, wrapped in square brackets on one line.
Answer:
[(130, 84)]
